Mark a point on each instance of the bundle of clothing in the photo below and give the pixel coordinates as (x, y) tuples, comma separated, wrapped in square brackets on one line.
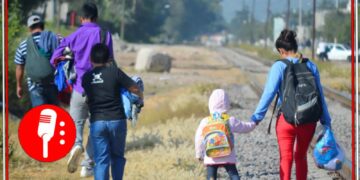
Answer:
[(131, 102), (65, 75)]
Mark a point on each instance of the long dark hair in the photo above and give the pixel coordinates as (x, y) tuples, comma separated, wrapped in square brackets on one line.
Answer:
[(287, 40)]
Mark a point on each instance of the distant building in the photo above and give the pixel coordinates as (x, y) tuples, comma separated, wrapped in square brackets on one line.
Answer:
[(303, 33), (50, 8), (279, 25), (320, 18)]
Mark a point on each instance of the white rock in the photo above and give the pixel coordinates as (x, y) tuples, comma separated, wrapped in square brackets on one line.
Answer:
[(151, 60)]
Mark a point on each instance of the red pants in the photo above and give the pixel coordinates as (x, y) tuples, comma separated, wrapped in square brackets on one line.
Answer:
[(286, 135)]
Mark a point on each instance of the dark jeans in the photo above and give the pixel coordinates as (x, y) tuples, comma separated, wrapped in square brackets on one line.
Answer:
[(108, 140), (44, 94), (230, 169)]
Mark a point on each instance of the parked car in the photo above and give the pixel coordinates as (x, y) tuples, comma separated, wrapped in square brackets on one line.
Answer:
[(333, 51)]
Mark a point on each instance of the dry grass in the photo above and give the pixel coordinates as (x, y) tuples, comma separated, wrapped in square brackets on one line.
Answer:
[(182, 103), (23, 167), (165, 151)]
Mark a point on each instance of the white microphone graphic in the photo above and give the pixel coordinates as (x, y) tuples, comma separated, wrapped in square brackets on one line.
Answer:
[(46, 128)]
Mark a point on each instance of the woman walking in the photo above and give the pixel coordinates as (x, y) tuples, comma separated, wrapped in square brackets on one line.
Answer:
[(293, 129)]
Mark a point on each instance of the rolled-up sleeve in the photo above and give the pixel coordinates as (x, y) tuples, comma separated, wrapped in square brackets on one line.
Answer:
[(20, 54)]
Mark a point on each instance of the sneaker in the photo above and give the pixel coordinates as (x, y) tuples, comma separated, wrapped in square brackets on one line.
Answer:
[(74, 158), (86, 171)]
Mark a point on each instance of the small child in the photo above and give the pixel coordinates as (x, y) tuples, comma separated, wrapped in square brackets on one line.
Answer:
[(214, 140), (107, 117)]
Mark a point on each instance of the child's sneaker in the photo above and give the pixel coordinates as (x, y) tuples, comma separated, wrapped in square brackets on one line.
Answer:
[(86, 171), (74, 158)]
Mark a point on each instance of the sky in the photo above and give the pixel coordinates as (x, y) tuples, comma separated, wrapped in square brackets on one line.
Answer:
[(277, 6)]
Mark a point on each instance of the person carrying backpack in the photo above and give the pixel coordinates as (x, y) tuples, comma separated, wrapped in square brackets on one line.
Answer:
[(300, 102), (33, 58), (80, 43), (214, 139)]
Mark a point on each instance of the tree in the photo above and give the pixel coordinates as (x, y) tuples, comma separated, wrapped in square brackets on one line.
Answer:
[(15, 30), (189, 18), (26, 6), (332, 30), (245, 30)]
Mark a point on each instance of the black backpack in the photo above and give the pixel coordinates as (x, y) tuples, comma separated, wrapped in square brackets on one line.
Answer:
[(301, 102), (37, 65)]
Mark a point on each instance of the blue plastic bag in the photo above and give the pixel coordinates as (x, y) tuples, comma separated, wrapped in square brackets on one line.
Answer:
[(327, 153)]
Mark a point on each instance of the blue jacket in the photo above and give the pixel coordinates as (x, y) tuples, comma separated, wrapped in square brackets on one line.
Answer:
[(272, 87)]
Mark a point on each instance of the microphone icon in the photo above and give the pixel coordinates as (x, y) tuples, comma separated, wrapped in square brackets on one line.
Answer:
[(46, 128)]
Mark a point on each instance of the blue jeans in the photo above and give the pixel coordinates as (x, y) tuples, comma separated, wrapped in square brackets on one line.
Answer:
[(230, 169), (44, 94), (108, 140)]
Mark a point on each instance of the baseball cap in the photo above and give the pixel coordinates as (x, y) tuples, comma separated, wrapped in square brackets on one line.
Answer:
[(34, 19)]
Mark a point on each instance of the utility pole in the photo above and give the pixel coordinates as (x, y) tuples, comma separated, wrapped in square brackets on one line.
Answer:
[(300, 29), (267, 23), (252, 38), (288, 15), (313, 31), (300, 13), (337, 4), (122, 30), (133, 9)]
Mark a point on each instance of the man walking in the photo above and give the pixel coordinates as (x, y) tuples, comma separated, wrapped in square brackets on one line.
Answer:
[(32, 56), (81, 42)]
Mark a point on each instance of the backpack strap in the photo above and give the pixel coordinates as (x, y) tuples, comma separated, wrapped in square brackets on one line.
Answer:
[(285, 61), (103, 33), (274, 109), (288, 63), (31, 45), (103, 37)]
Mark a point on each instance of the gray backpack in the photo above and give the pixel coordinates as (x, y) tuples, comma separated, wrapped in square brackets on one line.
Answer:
[(37, 65)]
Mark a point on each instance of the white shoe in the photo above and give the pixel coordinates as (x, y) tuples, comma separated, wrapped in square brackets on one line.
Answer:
[(86, 172), (74, 158)]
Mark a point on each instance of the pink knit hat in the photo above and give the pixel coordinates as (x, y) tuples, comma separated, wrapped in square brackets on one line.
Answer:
[(219, 101)]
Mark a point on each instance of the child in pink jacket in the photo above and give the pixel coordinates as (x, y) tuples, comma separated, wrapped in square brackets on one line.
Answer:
[(219, 103)]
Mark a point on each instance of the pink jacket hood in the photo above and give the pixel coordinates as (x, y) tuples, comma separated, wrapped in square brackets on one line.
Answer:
[(219, 101)]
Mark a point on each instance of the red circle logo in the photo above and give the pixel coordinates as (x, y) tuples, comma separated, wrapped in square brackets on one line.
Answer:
[(47, 133)]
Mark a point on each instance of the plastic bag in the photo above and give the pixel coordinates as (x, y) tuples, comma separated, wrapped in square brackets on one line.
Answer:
[(327, 153)]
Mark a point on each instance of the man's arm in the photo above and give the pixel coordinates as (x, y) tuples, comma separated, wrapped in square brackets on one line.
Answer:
[(125, 81), (20, 64), (19, 76)]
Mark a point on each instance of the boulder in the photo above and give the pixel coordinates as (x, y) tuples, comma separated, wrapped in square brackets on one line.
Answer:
[(150, 60)]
